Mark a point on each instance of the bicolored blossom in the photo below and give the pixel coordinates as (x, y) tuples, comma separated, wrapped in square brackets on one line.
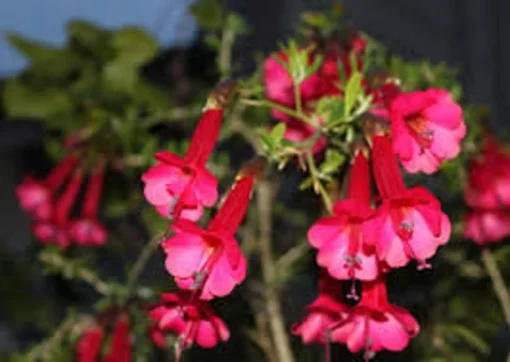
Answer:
[(120, 348), (88, 230), (55, 230), (489, 178), (426, 128), (180, 187), (210, 261), (374, 324), (190, 319), (323, 312), (89, 345), (36, 196), (487, 226), (409, 223), (340, 238)]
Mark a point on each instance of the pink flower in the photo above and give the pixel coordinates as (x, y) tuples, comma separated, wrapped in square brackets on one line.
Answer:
[(323, 313), (89, 345), (427, 129), (55, 230), (280, 86), (210, 261), (192, 320), (409, 224), (489, 178), (120, 345), (374, 324), (88, 230), (487, 226), (341, 238), (35, 196)]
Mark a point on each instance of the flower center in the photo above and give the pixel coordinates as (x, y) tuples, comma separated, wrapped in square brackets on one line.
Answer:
[(420, 130)]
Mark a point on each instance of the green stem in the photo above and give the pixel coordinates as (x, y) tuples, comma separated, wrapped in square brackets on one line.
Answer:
[(225, 53), (139, 265), (297, 97), (318, 186), (288, 111), (498, 284)]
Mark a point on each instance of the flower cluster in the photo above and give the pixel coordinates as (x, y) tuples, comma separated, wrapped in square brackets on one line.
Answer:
[(488, 194), (50, 203), (206, 263), (367, 236)]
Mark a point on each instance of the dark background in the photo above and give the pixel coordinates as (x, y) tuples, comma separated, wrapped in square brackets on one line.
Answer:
[(468, 34)]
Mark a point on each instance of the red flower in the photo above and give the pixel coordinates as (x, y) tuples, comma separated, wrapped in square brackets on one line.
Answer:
[(88, 230), (120, 345), (55, 230), (374, 324), (210, 260), (323, 313), (341, 238), (409, 224), (427, 129), (487, 226), (35, 196), (89, 345), (489, 178), (181, 187), (192, 320)]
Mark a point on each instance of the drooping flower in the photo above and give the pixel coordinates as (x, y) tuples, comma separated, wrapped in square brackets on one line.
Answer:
[(36, 196), (88, 230), (341, 238), (374, 324), (409, 223), (89, 345), (181, 187), (487, 226), (209, 261), (120, 345), (323, 312), (190, 319), (55, 230), (426, 128), (489, 178)]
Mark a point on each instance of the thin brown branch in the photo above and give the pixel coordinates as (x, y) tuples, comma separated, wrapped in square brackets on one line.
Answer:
[(498, 284), (273, 302)]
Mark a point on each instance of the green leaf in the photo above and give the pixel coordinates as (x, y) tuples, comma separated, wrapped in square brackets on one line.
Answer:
[(470, 337), (209, 14), (134, 46), (21, 101), (332, 162), (32, 50), (278, 132), (352, 91), (88, 35), (120, 76), (237, 24)]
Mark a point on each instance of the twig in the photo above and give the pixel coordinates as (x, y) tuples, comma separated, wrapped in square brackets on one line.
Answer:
[(59, 262), (225, 54), (318, 186), (273, 302), (498, 284), (43, 350), (139, 265), (288, 111)]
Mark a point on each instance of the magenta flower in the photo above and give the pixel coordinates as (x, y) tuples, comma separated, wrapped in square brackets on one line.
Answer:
[(427, 129), (192, 320), (36, 196), (323, 313), (341, 238), (487, 226), (88, 230), (409, 224), (489, 178), (210, 261), (55, 230), (180, 187), (374, 324)]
